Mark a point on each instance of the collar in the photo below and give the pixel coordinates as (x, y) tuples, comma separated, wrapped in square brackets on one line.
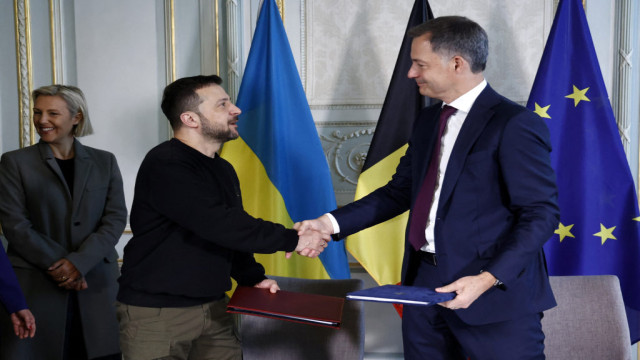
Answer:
[(464, 102), (47, 153)]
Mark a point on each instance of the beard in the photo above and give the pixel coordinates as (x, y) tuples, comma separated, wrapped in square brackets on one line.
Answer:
[(217, 132)]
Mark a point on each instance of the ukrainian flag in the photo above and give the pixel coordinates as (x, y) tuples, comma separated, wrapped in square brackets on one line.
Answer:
[(283, 171)]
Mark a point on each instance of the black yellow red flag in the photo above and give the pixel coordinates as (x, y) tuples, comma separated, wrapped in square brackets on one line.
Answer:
[(380, 248)]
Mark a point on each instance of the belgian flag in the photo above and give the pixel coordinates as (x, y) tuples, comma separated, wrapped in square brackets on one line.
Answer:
[(379, 249)]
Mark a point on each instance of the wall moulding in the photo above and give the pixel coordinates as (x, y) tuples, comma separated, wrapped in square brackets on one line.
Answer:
[(170, 47), (55, 30), (234, 50), (622, 73), (22, 19)]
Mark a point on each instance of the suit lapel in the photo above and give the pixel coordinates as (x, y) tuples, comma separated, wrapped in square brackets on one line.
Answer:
[(478, 117), (424, 143), (82, 170)]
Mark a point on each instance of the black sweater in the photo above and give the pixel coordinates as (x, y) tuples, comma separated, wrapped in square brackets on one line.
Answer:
[(190, 232)]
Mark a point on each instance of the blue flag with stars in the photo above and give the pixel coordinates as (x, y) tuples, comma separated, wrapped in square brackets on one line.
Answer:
[(599, 221)]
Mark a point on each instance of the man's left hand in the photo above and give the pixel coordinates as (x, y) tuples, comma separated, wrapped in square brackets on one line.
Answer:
[(467, 290)]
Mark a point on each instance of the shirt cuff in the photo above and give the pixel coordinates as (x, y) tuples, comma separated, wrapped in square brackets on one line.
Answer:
[(334, 223)]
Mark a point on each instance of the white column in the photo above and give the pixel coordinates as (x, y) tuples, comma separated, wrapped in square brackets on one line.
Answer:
[(622, 72), (233, 50)]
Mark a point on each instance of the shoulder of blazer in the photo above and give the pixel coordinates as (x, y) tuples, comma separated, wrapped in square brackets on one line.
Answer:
[(27, 153), (87, 152), (490, 100)]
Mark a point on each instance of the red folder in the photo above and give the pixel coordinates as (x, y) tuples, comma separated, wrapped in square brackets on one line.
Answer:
[(305, 308)]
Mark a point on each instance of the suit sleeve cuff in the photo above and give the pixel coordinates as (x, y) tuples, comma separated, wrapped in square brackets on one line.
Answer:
[(334, 223)]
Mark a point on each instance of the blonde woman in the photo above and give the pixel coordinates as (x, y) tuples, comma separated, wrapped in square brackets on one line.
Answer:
[(62, 211)]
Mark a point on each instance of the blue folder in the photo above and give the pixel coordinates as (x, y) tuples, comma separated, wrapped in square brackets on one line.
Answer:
[(399, 294)]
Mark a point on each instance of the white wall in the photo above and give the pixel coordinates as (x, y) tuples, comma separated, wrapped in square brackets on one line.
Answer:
[(120, 70)]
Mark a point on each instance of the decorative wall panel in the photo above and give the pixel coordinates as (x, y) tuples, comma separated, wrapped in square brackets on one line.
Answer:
[(352, 47), (25, 76), (517, 33), (345, 145)]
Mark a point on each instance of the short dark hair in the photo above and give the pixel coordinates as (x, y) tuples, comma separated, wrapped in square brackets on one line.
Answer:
[(456, 35), (181, 96)]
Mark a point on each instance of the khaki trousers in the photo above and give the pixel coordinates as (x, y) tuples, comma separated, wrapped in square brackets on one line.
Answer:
[(193, 333)]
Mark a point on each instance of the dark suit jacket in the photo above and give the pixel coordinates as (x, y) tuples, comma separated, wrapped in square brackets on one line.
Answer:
[(497, 205), (44, 223)]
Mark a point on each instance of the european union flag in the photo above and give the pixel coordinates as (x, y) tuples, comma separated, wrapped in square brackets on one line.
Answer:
[(283, 172), (599, 221)]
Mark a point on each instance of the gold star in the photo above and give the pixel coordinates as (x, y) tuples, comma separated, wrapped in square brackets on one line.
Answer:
[(564, 231), (542, 111), (578, 95), (637, 218), (605, 233)]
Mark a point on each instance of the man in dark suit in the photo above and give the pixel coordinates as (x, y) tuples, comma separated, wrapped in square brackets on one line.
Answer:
[(478, 181)]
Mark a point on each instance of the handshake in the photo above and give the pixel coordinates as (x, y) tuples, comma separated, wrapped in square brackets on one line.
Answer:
[(313, 236)]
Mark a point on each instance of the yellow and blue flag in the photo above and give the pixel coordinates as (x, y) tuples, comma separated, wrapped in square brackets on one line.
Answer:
[(599, 231), (283, 171)]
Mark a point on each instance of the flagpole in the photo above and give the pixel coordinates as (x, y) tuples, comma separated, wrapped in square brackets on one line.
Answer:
[(280, 4)]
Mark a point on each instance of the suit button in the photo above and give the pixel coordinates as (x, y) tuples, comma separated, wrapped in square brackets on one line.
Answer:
[(77, 223)]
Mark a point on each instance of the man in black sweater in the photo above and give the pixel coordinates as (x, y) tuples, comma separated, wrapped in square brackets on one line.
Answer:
[(191, 234)]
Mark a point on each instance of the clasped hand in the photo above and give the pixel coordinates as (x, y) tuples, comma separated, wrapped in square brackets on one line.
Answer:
[(67, 275), (314, 237), (311, 242)]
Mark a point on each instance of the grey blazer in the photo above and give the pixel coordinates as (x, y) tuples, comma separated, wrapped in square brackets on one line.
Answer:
[(43, 223)]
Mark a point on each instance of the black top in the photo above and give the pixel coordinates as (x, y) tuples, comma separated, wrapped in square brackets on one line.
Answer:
[(190, 232), (67, 168)]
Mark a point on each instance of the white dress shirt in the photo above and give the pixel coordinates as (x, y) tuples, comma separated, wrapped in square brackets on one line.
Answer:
[(463, 104)]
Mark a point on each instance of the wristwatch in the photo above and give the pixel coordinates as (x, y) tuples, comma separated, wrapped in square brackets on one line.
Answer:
[(497, 283)]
